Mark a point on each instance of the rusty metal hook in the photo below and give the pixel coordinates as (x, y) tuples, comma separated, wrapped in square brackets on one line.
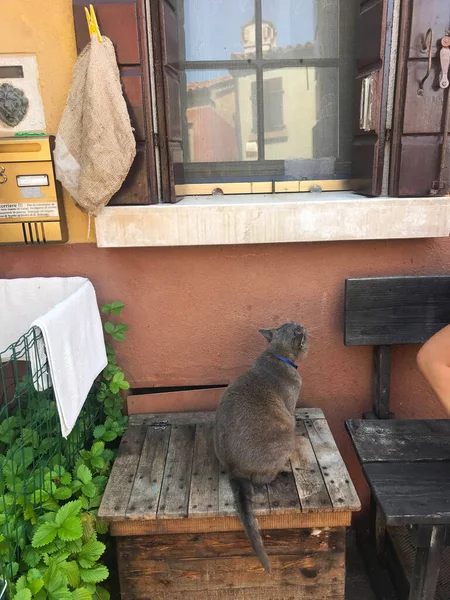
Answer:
[(427, 46)]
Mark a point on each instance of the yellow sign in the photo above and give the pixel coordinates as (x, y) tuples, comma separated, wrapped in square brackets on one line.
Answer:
[(31, 205)]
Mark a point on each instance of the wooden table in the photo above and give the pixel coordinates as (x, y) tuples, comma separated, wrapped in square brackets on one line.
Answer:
[(407, 466), (178, 535)]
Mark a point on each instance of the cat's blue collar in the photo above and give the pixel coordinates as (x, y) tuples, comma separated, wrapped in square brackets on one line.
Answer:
[(286, 360)]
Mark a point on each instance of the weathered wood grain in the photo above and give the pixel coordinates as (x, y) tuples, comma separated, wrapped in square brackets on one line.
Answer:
[(337, 480), (400, 441), (395, 310), (283, 495), (411, 493), (120, 484), (196, 574), (227, 505), (204, 489), (308, 477), (289, 520), (234, 543), (146, 490), (174, 499)]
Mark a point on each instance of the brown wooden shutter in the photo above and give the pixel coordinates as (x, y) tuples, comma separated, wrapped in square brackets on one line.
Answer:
[(124, 22), (373, 37), (166, 22), (418, 118)]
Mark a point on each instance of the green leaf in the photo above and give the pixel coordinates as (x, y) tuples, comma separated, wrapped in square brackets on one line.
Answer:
[(62, 593), (71, 509), (94, 575), (70, 529), (45, 534), (121, 328), (101, 527), (98, 462), (81, 594), (36, 586), (62, 493), (66, 478), (54, 578), (30, 514), (102, 593), (124, 385), (99, 431), (97, 448), (109, 436), (118, 336), (72, 573), (118, 377), (84, 474), (90, 553), (31, 557), (117, 307), (21, 583), (106, 308), (109, 327), (24, 594), (34, 574)]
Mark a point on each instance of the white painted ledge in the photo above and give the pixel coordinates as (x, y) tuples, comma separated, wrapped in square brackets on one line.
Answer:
[(269, 219)]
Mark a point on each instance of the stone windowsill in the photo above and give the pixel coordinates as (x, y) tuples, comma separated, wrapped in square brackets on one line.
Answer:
[(266, 218)]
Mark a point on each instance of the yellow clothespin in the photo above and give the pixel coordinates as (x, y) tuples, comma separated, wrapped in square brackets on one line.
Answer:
[(91, 19)]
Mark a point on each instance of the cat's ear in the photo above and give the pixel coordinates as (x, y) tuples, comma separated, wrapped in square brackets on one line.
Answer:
[(267, 334)]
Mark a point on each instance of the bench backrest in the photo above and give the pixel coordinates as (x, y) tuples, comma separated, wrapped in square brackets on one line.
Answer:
[(383, 311)]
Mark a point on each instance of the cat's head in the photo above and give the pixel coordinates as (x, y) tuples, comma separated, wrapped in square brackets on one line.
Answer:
[(291, 339)]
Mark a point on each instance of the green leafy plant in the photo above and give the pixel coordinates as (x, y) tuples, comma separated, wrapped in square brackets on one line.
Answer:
[(48, 517)]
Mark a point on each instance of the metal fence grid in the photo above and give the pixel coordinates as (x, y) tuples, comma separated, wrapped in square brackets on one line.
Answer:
[(32, 448)]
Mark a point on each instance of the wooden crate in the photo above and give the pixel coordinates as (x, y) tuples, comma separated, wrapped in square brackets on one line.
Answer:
[(178, 535)]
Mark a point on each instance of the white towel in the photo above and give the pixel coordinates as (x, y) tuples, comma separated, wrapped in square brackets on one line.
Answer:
[(66, 311)]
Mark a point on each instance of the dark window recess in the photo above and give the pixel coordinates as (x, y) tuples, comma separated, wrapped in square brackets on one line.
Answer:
[(273, 105)]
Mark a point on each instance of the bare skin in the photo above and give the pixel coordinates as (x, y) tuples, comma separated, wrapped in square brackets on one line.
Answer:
[(433, 359)]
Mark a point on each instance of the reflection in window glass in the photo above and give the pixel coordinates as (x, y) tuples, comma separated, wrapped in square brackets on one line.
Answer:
[(217, 106), (306, 125), (213, 27), (300, 29)]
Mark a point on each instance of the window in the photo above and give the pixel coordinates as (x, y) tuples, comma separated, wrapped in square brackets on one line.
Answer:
[(264, 89)]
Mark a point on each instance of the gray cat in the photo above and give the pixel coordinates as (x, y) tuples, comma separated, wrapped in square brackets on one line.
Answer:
[(255, 423)]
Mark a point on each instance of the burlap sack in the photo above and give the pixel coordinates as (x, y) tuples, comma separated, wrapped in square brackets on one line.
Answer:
[(95, 146)]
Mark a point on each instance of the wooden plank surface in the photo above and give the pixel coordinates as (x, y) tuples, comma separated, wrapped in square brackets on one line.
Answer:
[(204, 489), (411, 493), (337, 480), (174, 499), (231, 543), (308, 477), (395, 310), (289, 520), (204, 575), (283, 495), (120, 484), (226, 498), (192, 418), (400, 441), (146, 491)]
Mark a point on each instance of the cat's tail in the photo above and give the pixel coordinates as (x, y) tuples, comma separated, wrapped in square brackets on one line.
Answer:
[(243, 495)]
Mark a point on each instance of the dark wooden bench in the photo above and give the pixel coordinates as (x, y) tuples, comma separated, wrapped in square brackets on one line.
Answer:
[(178, 537), (406, 462)]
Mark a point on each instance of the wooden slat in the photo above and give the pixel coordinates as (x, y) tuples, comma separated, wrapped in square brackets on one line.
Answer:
[(192, 418), (204, 493), (288, 520), (337, 480), (261, 503), (283, 495), (400, 441), (411, 493), (395, 310), (233, 543), (120, 483), (334, 591), (147, 485), (226, 499), (174, 499), (308, 476), (201, 575)]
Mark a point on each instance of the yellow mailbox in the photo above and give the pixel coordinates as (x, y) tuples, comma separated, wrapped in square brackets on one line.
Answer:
[(31, 204)]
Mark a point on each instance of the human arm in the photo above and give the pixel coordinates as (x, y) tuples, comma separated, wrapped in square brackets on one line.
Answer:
[(433, 360)]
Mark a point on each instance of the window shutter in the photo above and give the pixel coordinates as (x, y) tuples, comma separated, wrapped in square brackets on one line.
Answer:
[(166, 23), (123, 21), (373, 37), (419, 117)]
